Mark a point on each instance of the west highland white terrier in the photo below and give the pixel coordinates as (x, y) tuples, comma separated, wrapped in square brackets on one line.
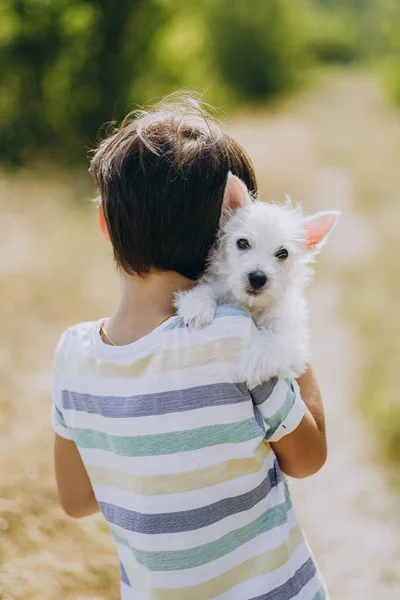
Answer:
[(262, 262)]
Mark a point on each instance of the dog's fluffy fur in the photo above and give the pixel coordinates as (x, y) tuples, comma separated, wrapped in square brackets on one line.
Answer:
[(279, 344)]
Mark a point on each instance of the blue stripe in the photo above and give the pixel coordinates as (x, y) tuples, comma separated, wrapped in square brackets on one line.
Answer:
[(59, 416), (259, 419), (218, 394), (190, 520), (172, 560), (124, 576), (223, 310), (262, 392), (294, 585)]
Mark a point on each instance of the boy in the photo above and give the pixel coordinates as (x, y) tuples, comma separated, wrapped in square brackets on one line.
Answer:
[(153, 426)]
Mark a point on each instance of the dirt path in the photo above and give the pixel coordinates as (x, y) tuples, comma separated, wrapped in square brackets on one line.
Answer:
[(347, 509), (312, 150)]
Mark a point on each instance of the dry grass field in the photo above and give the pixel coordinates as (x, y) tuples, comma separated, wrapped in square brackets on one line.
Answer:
[(338, 145)]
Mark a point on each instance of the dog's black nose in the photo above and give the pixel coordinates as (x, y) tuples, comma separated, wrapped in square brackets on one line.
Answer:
[(257, 279)]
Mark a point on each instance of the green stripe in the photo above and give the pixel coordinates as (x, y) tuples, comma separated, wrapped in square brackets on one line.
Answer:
[(320, 595), (201, 555), (281, 414), (167, 443)]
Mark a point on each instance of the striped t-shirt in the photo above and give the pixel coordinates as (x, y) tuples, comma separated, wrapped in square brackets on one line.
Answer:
[(176, 448)]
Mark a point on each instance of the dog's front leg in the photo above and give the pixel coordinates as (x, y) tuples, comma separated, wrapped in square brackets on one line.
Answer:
[(265, 356), (197, 306)]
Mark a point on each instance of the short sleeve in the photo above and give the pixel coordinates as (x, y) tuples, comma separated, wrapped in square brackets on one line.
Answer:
[(57, 418), (279, 405)]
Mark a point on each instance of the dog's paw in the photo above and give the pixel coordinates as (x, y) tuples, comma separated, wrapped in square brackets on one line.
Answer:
[(289, 372), (254, 368), (296, 369), (297, 363), (195, 311), (292, 370)]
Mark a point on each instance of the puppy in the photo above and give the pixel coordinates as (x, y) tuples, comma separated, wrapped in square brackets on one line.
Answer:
[(262, 262)]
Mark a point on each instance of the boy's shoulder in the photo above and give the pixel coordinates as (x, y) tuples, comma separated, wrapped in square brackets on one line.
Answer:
[(231, 310), (223, 340), (230, 321), (223, 314), (80, 334)]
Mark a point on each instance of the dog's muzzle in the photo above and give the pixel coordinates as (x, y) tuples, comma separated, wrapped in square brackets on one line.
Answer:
[(257, 280)]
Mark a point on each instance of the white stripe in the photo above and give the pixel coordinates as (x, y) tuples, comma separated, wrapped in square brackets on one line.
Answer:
[(292, 421), (198, 575), (158, 382), (128, 593), (164, 503), (154, 424), (173, 463), (63, 432), (198, 537), (308, 592), (264, 583), (222, 328), (275, 401), (80, 354)]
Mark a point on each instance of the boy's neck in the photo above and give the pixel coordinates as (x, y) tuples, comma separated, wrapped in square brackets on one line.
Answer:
[(144, 302)]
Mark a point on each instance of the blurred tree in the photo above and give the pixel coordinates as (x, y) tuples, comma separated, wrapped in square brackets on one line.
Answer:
[(259, 46), (67, 67), (334, 36)]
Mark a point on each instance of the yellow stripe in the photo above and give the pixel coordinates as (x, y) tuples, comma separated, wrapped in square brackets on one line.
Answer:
[(258, 565), (217, 351), (175, 483)]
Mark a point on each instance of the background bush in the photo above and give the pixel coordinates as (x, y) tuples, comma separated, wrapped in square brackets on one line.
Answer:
[(259, 47), (69, 66)]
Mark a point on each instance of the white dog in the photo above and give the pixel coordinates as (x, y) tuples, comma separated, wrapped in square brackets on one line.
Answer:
[(262, 262)]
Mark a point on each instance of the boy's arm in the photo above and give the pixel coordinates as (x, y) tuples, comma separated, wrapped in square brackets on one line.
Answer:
[(74, 487), (294, 421), (303, 451)]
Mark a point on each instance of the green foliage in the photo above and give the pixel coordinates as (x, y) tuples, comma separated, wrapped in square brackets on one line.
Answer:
[(70, 66), (368, 30), (334, 38), (181, 57), (379, 394), (383, 24), (259, 47)]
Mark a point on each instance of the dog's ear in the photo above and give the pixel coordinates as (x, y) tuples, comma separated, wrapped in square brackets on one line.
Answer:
[(236, 196), (318, 228)]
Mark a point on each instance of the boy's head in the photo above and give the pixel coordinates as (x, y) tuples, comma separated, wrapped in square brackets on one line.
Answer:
[(161, 177)]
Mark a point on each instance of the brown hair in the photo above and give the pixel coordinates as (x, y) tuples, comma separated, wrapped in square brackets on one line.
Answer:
[(161, 177)]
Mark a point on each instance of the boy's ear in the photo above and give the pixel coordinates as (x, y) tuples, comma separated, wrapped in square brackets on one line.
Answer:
[(102, 223), (236, 196), (318, 228)]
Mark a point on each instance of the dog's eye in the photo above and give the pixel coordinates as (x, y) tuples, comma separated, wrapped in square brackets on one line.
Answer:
[(243, 244), (282, 254)]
